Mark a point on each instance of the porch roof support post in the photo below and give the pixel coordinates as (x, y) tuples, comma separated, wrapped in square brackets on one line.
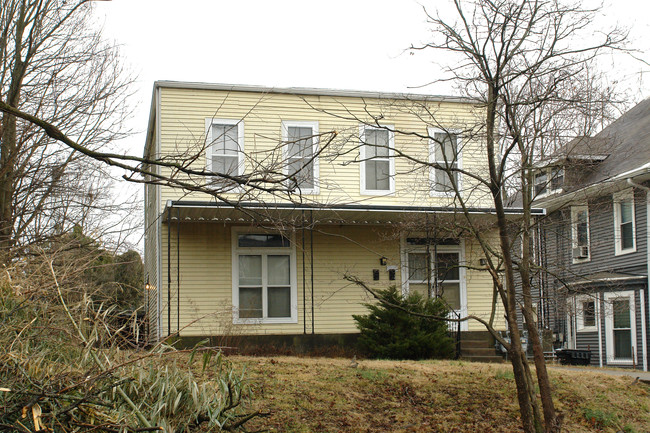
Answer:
[(311, 247), (178, 271), (169, 271), (600, 330), (304, 278)]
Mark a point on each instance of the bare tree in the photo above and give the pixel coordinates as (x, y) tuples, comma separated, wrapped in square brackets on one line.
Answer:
[(527, 66), (54, 65), (529, 63)]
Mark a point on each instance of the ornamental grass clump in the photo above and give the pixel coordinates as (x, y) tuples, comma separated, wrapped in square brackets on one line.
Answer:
[(60, 372)]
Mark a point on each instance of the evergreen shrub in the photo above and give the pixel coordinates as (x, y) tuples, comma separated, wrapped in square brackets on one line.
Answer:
[(392, 333)]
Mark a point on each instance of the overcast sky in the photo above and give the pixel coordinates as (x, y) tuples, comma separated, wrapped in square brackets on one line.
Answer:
[(343, 44), (351, 44)]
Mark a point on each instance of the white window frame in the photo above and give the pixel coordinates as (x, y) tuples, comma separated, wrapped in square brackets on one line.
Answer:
[(293, 280), (580, 324), (575, 211), (609, 327), (619, 197), (548, 171), (460, 249), (391, 160), (286, 124), (209, 121), (432, 159)]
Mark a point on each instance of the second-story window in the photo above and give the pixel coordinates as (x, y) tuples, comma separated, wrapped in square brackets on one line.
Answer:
[(300, 150), (580, 232), (548, 180), (445, 154), (225, 147), (624, 223), (377, 164)]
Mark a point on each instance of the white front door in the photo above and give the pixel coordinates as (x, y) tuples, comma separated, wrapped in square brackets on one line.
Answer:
[(620, 327)]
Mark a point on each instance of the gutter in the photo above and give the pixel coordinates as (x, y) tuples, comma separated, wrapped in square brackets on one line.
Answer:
[(347, 208), (644, 299), (313, 91)]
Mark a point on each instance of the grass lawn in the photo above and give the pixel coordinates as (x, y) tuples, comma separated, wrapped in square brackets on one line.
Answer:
[(328, 395)]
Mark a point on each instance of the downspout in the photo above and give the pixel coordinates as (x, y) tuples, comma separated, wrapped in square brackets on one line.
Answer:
[(600, 330), (644, 324)]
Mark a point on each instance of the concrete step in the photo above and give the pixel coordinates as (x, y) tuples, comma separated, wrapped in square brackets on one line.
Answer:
[(492, 359), (470, 344), (478, 351)]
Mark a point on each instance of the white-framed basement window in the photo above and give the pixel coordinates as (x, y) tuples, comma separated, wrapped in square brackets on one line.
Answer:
[(377, 166), (620, 327), (624, 222), (445, 151), (300, 140), (586, 311), (224, 148), (264, 287), (580, 234)]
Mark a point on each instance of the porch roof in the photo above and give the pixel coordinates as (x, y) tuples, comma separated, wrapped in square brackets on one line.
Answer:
[(607, 278), (243, 212)]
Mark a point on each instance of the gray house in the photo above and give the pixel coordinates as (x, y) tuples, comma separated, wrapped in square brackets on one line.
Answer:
[(593, 242)]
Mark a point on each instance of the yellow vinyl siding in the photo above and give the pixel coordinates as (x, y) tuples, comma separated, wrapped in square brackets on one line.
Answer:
[(206, 279), (479, 290), (182, 121)]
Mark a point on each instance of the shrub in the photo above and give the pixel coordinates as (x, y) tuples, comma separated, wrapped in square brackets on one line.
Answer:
[(390, 332)]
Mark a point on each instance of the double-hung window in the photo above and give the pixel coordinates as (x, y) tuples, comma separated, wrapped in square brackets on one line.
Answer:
[(548, 180), (264, 278), (624, 222), (377, 162), (300, 150), (225, 148), (445, 155), (620, 327), (586, 313), (580, 233)]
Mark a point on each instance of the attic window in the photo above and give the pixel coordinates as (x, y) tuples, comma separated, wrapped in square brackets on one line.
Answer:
[(548, 180)]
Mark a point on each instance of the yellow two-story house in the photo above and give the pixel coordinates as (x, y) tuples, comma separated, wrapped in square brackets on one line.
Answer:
[(261, 201)]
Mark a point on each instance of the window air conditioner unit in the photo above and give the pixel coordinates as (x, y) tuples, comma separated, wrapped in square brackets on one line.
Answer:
[(581, 252)]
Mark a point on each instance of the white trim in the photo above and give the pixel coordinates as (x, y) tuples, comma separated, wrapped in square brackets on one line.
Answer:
[(579, 313), (617, 198), (391, 160), (609, 324), (575, 210), (644, 346), (313, 91), (432, 159), (293, 279), (599, 324), (315, 146), (157, 169), (548, 183), (209, 121)]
